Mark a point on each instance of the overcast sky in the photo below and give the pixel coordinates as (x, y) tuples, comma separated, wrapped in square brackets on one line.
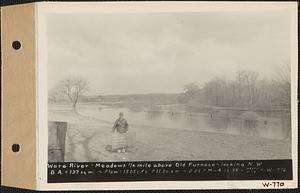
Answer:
[(161, 52)]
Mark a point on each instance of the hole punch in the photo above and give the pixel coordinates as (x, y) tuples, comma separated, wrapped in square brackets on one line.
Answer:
[(15, 148), (16, 45)]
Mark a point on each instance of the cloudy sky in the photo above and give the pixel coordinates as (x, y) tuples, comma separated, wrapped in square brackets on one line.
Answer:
[(160, 52)]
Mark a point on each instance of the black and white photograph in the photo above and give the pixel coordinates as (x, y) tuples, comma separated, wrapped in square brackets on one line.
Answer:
[(169, 86)]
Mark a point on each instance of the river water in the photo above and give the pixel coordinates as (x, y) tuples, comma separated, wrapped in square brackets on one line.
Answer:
[(266, 127)]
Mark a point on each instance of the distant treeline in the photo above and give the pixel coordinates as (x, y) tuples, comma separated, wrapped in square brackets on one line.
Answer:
[(247, 90), (134, 98)]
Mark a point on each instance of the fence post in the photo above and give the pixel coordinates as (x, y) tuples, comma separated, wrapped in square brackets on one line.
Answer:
[(56, 141)]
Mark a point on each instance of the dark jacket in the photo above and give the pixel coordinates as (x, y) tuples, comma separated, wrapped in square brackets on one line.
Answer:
[(120, 125)]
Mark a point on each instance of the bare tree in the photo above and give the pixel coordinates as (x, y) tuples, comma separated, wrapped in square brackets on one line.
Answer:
[(191, 88), (191, 91), (239, 80), (73, 88), (250, 79), (283, 80)]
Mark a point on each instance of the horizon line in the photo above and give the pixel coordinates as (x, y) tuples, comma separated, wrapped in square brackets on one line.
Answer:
[(134, 94)]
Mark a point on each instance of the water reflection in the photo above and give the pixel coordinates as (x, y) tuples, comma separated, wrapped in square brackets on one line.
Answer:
[(250, 125), (152, 115)]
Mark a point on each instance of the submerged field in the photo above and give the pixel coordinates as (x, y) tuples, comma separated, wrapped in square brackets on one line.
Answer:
[(88, 137)]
